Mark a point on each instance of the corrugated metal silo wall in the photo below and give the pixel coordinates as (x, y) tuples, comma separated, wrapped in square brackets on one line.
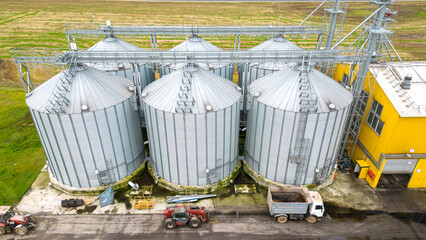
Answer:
[(147, 75), (271, 136), (109, 141), (256, 73), (225, 72), (182, 146)]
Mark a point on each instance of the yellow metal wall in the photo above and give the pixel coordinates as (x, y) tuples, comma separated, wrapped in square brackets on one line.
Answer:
[(399, 135), (418, 179), (409, 133), (376, 144), (339, 70)]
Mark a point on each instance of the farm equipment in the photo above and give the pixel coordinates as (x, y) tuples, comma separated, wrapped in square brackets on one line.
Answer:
[(11, 221), (181, 215), (72, 202), (295, 204), (141, 202)]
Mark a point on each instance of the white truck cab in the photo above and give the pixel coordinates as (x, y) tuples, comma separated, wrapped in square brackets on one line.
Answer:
[(295, 203), (317, 207)]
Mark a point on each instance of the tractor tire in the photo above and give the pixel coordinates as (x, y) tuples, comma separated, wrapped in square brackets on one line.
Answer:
[(2, 231), (207, 217), (194, 222), (32, 219), (282, 219), (311, 219), (169, 223), (21, 231)]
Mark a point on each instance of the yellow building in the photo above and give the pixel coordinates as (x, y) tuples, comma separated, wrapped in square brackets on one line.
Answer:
[(392, 132)]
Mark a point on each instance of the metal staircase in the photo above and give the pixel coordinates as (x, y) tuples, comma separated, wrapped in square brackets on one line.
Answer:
[(185, 100), (308, 103), (58, 100)]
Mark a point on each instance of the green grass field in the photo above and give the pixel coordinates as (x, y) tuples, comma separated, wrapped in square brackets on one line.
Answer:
[(21, 154), (25, 23)]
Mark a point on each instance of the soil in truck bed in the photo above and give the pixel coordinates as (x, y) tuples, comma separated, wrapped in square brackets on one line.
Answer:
[(287, 197)]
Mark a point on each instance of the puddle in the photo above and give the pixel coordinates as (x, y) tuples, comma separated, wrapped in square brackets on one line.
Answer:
[(121, 196), (87, 209), (146, 179), (336, 213)]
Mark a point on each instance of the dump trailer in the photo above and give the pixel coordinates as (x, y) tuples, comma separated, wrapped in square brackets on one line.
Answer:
[(295, 204)]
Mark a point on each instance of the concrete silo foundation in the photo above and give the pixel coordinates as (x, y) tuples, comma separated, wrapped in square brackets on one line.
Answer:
[(208, 188)]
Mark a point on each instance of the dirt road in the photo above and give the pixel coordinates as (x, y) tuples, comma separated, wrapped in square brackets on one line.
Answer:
[(262, 226)]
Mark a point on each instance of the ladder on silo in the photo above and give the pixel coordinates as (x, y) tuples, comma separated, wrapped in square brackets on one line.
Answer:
[(321, 174), (215, 174), (185, 100), (58, 99), (307, 103), (110, 169)]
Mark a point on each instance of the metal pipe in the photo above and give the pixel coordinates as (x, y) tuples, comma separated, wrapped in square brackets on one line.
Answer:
[(362, 23), (175, 30), (333, 23), (371, 46), (313, 12), (360, 36), (387, 49), (397, 55), (331, 30)]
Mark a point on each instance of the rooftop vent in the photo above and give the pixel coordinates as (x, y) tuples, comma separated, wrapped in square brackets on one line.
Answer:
[(407, 81)]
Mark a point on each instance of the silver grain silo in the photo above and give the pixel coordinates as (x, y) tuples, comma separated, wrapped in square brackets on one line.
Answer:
[(192, 118), (197, 44), (113, 44), (295, 125), (88, 125), (277, 43)]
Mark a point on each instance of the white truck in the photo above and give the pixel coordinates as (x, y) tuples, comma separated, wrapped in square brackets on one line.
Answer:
[(295, 204)]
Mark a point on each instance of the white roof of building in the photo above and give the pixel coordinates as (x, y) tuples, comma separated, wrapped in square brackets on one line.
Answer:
[(94, 88), (407, 102), (281, 90), (204, 88)]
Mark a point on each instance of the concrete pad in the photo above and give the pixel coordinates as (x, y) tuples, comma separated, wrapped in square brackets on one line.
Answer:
[(346, 191), (42, 181)]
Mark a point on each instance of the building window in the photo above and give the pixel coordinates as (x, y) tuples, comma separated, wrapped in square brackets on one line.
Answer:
[(363, 99), (345, 80), (373, 119)]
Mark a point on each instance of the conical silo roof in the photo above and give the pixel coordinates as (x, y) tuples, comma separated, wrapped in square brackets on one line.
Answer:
[(113, 44), (278, 42), (281, 90), (192, 86), (88, 86), (196, 44)]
